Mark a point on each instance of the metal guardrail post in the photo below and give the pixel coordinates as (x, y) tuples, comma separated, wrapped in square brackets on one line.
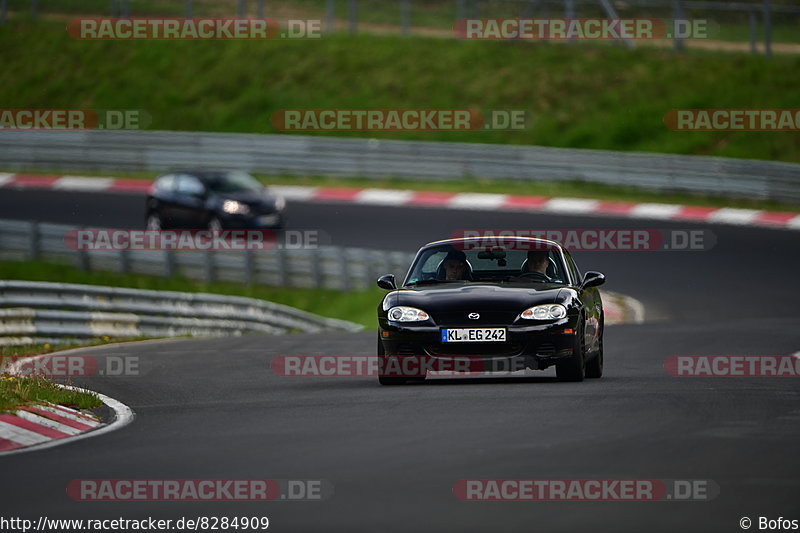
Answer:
[(34, 240), (249, 267), (569, 13), (187, 9), (124, 261), (260, 9), (405, 16), (369, 269), (3, 12), (34, 8), (283, 274), (751, 22), (767, 28), (208, 265), (461, 9), (169, 263), (330, 14), (126, 8), (344, 270), (82, 260), (241, 9), (352, 16), (677, 15), (316, 269)]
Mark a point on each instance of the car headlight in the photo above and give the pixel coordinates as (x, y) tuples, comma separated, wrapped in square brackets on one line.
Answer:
[(235, 208), (280, 203), (407, 314), (544, 312)]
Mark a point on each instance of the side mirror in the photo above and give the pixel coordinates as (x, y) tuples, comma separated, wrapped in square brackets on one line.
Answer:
[(592, 279), (387, 282)]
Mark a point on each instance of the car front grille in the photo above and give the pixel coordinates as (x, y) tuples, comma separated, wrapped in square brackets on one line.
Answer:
[(478, 348), (546, 350)]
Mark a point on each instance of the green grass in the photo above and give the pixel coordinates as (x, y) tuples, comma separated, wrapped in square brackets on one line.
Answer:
[(582, 96), (16, 391), (355, 306)]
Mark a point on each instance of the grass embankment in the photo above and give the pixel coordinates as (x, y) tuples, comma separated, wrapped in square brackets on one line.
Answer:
[(16, 391), (584, 96)]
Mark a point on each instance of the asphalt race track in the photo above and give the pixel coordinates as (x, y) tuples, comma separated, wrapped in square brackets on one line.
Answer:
[(213, 409)]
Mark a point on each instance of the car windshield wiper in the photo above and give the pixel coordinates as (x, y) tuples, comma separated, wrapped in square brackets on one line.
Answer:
[(434, 281)]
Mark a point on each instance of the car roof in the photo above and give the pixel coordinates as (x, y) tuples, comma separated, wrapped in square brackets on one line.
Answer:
[(202, 175), (496, 237)]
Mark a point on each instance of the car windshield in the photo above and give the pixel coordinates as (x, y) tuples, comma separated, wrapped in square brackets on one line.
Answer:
[(233, 182), (469, 262)]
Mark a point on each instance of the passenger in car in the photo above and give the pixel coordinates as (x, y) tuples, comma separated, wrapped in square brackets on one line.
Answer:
[(455, 266)]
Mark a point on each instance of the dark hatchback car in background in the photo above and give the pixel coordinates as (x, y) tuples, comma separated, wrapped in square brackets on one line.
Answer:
[(500, 315), (212, 200)]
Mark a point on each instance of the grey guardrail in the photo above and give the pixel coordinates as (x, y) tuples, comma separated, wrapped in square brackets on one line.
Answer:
[(380, 159), (330, 267), (39, 312)]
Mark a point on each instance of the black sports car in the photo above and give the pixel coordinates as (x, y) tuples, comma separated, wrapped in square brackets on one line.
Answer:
[(488, 306), (212, 199)]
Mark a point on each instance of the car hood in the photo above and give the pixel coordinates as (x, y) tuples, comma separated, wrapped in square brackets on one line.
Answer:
[(449, 304)]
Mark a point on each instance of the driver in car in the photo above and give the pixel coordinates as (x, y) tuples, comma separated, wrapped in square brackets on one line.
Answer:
[(536, 265), (455, 265)]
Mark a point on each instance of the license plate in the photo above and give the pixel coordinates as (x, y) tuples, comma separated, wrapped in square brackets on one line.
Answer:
[(473, 334), (268, 220)]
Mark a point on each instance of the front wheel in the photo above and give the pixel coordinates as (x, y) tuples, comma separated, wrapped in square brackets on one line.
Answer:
[(381, 379), (594, 368), (153, 222), (574, 368), (215, 224)]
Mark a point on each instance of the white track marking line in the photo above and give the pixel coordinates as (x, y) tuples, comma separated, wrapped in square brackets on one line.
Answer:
[(654, 210), (793, 223), (48, 423), (20, 435), (71, 416), (729, 215), (384, 197), (80, 183), (5, 178), (478, 201), (294, 192), (571, 205)]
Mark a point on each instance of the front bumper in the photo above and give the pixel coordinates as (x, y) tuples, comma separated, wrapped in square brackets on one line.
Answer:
[(252, 221), (533, 346)]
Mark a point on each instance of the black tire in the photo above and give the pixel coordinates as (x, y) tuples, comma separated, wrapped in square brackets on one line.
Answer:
[(382, 380), (574, 368), (153, 222), (594, 367), (214, 224)]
